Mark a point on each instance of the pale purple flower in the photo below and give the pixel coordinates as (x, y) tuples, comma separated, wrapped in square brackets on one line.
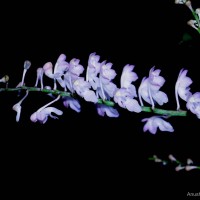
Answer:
[(17, 107), (190, 167), (125, 100), (60, 68), (172, 158), (93, 70), (72, 103), (107, 88), (155, 122), (48, 70), (124, 96), (179, 167), (193, 104), (61, 65), (149, 89), (82, 88), (75, 70), (127, 77), (42, 116), (108, 110), (44, 112), (182, 88), (40, 73)]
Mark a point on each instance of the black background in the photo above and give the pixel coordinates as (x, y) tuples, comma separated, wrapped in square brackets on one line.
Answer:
[(85, 149)]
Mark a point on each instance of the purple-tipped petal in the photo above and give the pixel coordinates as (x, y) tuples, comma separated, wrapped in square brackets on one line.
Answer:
[(110, 112), (72, 103)]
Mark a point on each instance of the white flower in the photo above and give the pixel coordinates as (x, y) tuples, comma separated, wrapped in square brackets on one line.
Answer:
[(149, 89), (197, 11), (189, 161), (17, 107), (42, 116), (189, 5), (193, 104), (182, 88), (193, 23), (44, 112), (4, 79), (180, 1), (40, 73), (155, 122)]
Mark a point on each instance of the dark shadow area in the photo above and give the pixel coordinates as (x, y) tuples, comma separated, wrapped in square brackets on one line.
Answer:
[(84, 149)]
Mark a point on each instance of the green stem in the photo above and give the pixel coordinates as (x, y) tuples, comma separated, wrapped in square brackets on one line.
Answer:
[(197, 19), (100, 101), (164, 112)]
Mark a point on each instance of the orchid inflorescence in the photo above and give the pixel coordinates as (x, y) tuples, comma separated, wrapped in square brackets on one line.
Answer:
[(188, 166), (99, 89), (194, 23)]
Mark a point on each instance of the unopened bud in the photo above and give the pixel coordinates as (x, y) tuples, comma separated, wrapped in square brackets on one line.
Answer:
[(27, 64)]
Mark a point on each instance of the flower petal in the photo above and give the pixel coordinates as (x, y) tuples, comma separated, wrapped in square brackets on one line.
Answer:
[(128, 76), (132, 105), (90, 96), (72, 103), (160, 97)]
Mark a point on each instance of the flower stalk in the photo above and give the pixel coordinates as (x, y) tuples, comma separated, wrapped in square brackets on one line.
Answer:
[(159, 111)]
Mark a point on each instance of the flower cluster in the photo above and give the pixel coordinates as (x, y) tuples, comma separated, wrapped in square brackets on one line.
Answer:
[(194, 23), (179, 165), (99, 88)]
